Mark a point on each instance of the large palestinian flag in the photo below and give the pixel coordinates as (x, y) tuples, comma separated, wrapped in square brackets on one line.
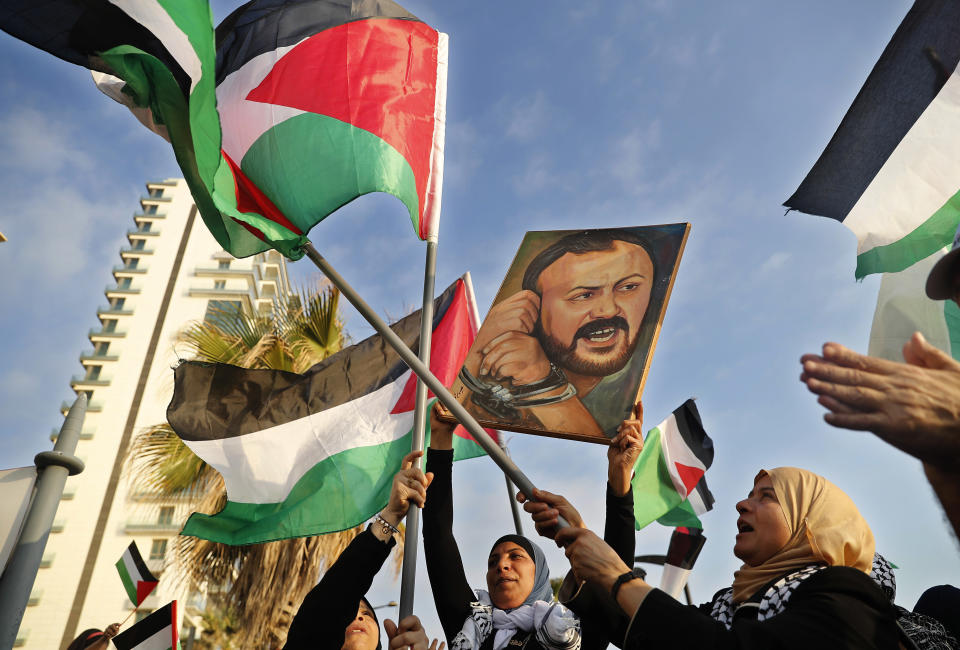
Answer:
[(320, 102), (158, 631), (314, 453), (891, 171), (668, 481)]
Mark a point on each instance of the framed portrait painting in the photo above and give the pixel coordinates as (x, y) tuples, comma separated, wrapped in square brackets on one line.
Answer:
[(565, 349)]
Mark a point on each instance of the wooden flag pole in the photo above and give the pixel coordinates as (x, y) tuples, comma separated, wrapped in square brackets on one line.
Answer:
[(408, 576), (423, 372), (130, 614)]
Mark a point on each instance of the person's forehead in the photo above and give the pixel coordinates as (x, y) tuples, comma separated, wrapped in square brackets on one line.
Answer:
[(507, 547), (611, 264)]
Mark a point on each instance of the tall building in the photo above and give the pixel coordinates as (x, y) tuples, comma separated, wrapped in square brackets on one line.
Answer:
[(171, 273)]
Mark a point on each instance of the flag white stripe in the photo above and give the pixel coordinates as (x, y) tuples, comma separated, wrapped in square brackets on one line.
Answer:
[(918, 178), (155, 18), (159, 640), (263, 466), (676, 451), (132, 570), (244, 121), (699, 507), (435, 189)]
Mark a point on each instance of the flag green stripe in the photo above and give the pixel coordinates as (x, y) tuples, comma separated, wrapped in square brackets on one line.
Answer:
[(336, 494), (345, 162), (682, 515), (925, 240), (128, 583), (653, 491)]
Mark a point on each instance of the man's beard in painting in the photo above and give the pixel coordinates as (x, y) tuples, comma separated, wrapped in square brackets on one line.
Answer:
[(597, 364)]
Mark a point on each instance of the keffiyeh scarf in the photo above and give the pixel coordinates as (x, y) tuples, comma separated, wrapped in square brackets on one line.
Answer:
[(554, 626)]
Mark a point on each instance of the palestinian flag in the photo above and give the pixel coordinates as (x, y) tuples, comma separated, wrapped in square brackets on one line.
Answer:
[(891, 171), (320, 102), (682, 554), (314, 453), (136, 577), (158, 631), (667, 477)]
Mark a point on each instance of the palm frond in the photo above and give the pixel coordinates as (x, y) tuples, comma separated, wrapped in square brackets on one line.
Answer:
[(158, 462)]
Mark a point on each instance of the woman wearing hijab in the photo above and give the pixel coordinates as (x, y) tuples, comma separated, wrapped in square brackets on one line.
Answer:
[(330, 616), (517, 609), (805, 581)]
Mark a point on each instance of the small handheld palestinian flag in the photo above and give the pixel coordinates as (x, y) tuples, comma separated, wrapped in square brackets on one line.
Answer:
[(158, 631), (682, 554), (667, 477), (136, 577)]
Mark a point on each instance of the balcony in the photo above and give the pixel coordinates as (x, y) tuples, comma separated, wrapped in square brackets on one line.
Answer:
[(201, 272), (135, 527), (131, 251), (80, 382), (225, 294), (144, 215), (47, 560), (58, 526), (92, 407), (100, 333), (155, 199), (91, 355), (126, 270), (107, 310), (84, 435), (112, 289), (136, 232)]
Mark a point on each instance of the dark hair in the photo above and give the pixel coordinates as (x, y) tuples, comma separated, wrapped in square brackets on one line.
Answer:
[(82, 639), (578, 243), (519, 540), (373, 614)]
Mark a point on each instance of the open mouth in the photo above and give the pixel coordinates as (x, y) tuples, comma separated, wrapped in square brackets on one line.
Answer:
[(744, 527), (603, 335), (601, 331), (500, 581)]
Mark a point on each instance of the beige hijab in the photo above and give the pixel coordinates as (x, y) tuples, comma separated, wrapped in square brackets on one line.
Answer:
[(826, 529)]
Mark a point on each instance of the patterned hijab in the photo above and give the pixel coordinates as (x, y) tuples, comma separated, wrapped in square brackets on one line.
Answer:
[(826, 528)]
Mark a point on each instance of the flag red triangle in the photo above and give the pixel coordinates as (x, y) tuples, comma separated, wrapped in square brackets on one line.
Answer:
[(689, 475), (143, 590)]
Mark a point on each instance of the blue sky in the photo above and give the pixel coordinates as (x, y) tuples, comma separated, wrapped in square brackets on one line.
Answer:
[(561, 115)]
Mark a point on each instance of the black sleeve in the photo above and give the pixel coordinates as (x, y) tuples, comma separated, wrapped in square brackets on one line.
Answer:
[(839, 607), (331, 605), (451, 591), (597, 631)]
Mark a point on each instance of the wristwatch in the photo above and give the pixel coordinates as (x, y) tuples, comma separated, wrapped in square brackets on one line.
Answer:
[(621, 579)]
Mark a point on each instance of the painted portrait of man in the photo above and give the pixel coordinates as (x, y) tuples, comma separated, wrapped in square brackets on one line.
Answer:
[(565, 347)]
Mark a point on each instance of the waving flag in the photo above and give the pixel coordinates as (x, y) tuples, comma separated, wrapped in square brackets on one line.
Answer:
[(890, 173), (158, 631), (668, 482), (136, 577), (314, 453), (320, 102)]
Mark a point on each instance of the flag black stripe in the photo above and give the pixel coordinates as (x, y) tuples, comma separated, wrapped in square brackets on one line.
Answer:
[(140, 564), (691, 430), (77, 31), (264, 25), (705, 494), (902, 84), (217, 401), (146, 628)]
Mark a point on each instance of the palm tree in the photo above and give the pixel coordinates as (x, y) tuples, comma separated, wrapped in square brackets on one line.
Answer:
[(258, 587)]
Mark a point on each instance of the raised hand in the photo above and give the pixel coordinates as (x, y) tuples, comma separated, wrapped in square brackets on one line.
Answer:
[(409, 635), (409, 487), (624, 450), (546, 508)]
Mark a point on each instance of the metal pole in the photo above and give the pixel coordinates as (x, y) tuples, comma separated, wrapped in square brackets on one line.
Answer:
[(514, 506), (496, 454), (53, 467), (408, 577)]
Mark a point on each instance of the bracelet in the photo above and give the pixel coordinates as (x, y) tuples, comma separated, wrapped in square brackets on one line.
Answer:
[(621, 579), (385, 526)]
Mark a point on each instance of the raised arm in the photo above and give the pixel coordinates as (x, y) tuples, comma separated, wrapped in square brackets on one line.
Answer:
[(451, 591), (332, 604)]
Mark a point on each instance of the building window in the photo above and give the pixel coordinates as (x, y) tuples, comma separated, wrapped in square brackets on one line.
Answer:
[(131, 263), (158, 549), (110, 325), (116, 304), (149, 209), (89, 394), (166, 515), (219, 284), (223, 264), (145, 226), (93, 372), (137, 245), (100, 349), (156, 192), (124, 283), (220, 310)]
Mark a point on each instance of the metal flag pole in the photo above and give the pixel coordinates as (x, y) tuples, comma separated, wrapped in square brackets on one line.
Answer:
[(479, 435), (514, 506), (53, 467), (408, 576)]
